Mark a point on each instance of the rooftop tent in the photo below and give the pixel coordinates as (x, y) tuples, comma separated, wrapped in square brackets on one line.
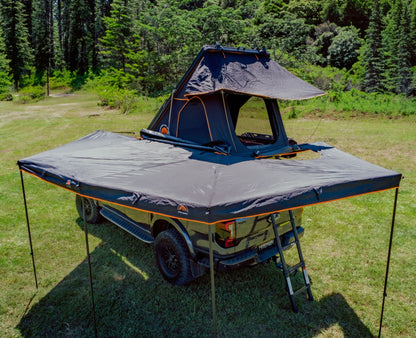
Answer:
[(205, 105)]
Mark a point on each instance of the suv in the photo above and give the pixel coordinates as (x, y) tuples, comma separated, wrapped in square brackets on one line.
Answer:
[(182, 247), (235, 123)]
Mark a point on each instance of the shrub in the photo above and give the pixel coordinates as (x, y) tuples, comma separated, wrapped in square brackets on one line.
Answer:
[(60, 79), (5, 82), (6, 96), (114, 78), (343, 51), (116, 98), (31, 94), (325, 78), (293, 114)]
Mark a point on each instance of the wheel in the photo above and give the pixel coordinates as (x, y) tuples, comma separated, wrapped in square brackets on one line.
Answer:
[(172, 257), (92, 213)]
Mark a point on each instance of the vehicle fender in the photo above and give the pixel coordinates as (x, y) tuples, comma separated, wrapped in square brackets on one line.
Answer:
[(181, 229)]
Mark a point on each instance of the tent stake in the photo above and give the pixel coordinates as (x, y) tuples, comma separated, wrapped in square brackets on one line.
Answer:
[(89, 265), (28, 230), (388, 259), (211, 268)]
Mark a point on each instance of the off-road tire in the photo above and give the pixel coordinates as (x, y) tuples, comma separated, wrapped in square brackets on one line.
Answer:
[(172, 257), (92, 212)]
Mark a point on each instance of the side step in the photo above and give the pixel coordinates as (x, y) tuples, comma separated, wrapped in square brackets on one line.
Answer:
[(126, 224)]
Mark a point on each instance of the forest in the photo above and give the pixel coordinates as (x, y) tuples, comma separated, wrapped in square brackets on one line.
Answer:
[(125, 48)]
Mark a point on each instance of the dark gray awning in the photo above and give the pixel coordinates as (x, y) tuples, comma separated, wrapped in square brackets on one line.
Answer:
[(160, 178)]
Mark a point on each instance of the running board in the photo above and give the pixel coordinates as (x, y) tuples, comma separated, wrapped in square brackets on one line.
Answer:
[(126, 224)]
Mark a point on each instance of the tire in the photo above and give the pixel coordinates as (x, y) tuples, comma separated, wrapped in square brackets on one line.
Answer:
[(92, 212), (172, 257)]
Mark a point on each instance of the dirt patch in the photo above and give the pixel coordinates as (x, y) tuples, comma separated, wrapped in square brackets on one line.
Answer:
[(61, 95), (68, 104)]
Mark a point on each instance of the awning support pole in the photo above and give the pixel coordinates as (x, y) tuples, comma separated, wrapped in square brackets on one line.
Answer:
[(211, 268), (28, 230), (388, 259), (89, 265)]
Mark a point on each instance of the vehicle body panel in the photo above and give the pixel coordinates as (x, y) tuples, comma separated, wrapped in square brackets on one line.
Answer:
[(251, 234)]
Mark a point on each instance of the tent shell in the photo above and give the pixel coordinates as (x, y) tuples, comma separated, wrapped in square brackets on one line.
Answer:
[(205, 104)]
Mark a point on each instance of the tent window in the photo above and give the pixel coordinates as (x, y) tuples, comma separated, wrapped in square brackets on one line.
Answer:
[(252, 120)]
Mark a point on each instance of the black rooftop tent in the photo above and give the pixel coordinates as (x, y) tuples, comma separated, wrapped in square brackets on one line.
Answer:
[(191, 165), (204, 106)]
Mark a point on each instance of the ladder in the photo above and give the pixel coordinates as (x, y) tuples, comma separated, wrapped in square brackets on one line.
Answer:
[(289, 271)]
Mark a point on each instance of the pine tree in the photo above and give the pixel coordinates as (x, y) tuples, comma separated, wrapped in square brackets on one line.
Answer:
[(4, 66), (79, 36), (92, 42), (116, 42), (403, 51), (390, 42), (413, 33), (373, 54), (396, 43), (102, 10), (42, 37), (15, 38)]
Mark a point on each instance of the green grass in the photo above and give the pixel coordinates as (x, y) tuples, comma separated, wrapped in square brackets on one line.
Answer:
[(345, 245), (353, 103)]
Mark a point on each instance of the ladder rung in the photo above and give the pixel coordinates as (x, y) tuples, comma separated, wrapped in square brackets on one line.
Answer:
[(302, 289), (291, 269), (295, 267)]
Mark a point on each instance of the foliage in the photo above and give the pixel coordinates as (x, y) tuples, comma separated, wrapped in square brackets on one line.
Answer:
[(112, 90), (347, 12), (353, 103), (327, 78), (15, 38), (114, 97), (372, 59), (154, 42), (42, 43), (118, 38), (305, 9), (6, 96), (5, 76), (343, 51), (60, 79), (286, 33), (324, 35), (332, 11), (31, 94), (396, 42)]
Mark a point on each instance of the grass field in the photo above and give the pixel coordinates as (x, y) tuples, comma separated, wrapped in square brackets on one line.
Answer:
[(345, 245)]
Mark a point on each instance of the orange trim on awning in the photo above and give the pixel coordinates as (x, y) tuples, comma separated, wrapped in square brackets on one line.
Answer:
[(201, 222)]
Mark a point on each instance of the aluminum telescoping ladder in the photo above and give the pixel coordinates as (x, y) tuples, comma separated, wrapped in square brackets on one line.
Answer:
[(288, 271)]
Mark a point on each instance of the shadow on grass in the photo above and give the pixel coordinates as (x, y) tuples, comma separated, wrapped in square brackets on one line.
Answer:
[(132, 299)]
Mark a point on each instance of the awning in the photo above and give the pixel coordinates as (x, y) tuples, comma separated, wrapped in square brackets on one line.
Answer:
[(199, 185)]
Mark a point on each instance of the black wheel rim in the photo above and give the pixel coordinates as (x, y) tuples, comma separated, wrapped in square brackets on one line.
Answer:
[(169, 261)]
